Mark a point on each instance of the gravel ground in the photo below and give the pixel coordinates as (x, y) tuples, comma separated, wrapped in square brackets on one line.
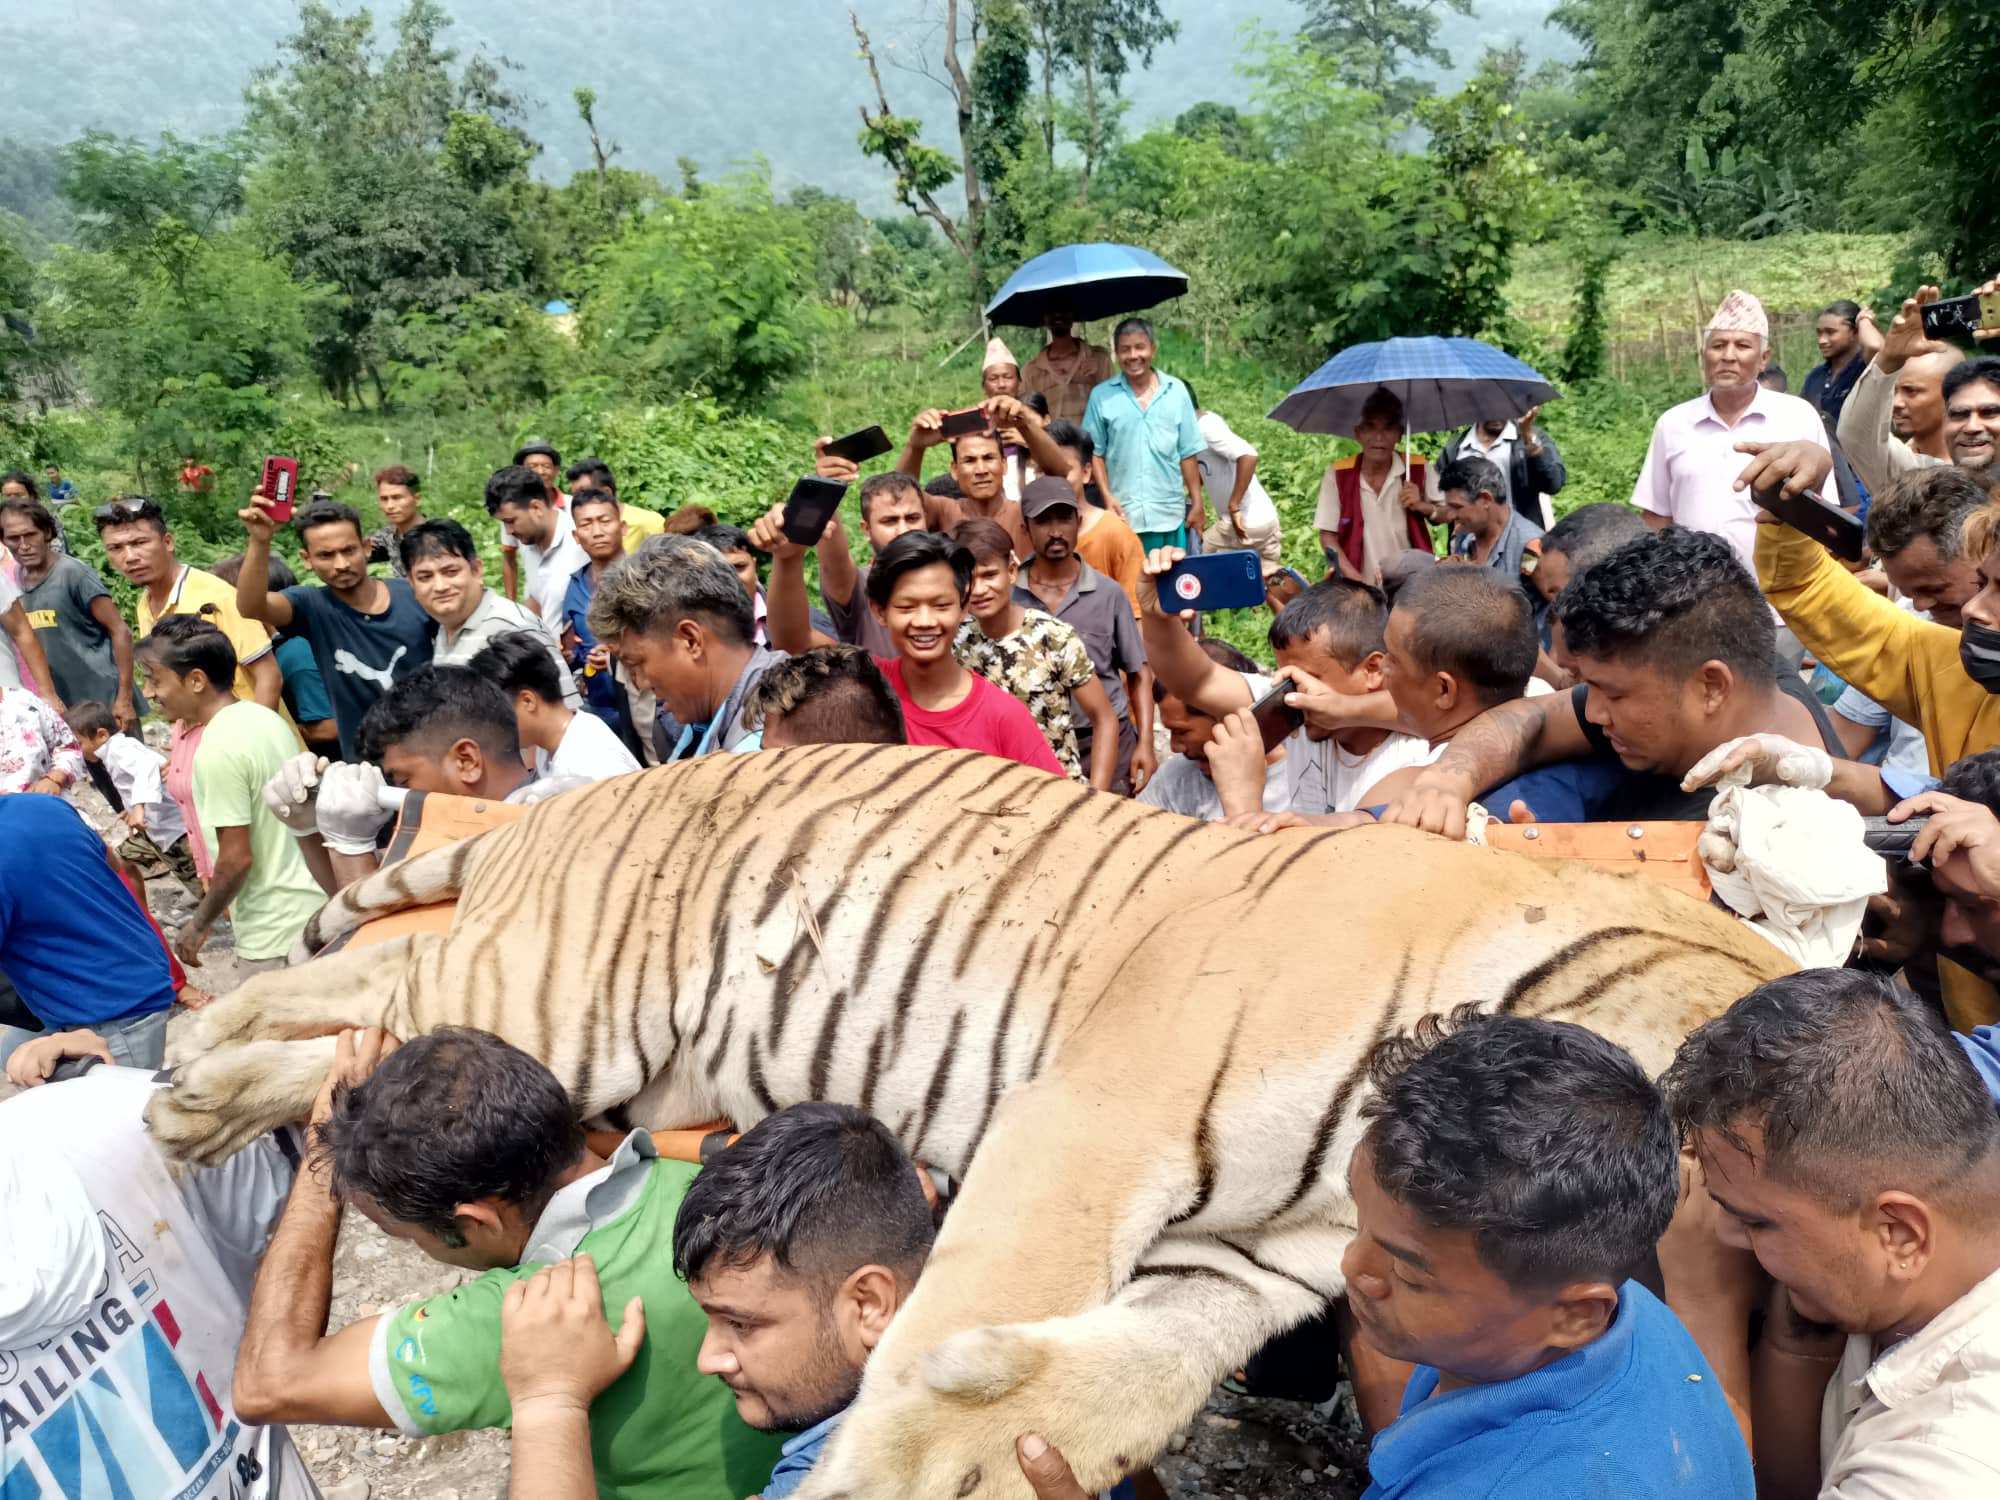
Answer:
[(1237, 1448)]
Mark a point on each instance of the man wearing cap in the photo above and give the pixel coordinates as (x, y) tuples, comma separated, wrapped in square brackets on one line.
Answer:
[(1056, 579), (1690, 471), (1002, 377), (1067, 369)]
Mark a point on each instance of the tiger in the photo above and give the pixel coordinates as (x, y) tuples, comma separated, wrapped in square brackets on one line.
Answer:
[(1138, 1041)]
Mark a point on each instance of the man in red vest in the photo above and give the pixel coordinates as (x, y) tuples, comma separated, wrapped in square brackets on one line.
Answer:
[(1375, 505)]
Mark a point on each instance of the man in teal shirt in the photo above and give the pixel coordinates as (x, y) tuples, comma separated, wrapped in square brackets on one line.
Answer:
[(469, 1149), (1143, 424)]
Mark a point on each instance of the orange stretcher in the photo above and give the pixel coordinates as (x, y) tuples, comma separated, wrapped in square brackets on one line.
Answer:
[(1664, 852)]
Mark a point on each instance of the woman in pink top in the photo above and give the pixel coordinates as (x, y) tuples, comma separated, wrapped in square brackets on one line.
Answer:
[(180, 787), (917, 589)]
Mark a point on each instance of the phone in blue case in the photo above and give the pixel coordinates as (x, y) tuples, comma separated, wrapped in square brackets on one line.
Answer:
[(1214, 580)]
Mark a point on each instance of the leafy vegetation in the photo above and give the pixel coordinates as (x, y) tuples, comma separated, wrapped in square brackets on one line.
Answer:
[(358, 275)]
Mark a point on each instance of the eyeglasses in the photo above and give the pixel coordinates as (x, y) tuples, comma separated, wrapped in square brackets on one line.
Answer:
[(129, 508)]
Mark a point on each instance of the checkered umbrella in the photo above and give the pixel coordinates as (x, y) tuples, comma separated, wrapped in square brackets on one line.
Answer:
[(1444, 384)]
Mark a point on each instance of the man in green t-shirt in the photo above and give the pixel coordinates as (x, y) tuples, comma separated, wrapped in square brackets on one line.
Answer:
[(259, 876), (469, 1149)]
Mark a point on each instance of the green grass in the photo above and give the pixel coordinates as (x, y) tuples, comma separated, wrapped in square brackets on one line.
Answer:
[(854, 376), (1672, 286)]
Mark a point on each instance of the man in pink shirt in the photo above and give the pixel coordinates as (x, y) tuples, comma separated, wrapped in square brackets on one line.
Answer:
[(1692, 463)]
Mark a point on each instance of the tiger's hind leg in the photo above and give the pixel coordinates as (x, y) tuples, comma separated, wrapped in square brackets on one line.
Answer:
[(357, 987), (1195, 1309), (1029, 1317), (224, 1100)]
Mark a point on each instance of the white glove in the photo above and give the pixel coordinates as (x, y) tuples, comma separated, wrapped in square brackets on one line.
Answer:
[(289, 792), (350, 807), (1768, 759)]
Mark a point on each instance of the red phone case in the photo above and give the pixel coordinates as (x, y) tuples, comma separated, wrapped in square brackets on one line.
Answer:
[(280, 483)]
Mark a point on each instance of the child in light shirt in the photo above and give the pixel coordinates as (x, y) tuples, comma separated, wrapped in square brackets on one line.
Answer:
[(156, 835)]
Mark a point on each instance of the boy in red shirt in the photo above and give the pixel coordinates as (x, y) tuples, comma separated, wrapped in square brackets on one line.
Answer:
[(917, 589)]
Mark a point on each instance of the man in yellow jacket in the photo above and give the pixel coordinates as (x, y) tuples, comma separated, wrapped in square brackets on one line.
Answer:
[(1944, 681)]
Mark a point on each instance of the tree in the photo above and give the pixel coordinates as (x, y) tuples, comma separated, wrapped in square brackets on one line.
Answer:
[(1096, 41), (122, 192), (923, 171), (586, 106), (393, 179), (712, 293), (1378, 40)]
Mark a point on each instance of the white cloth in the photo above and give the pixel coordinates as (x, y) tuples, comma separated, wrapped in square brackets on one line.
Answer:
[(136, 771), (1791, 862), (588, 749), (123, 1293), (1920, 1419), (1218, 473)]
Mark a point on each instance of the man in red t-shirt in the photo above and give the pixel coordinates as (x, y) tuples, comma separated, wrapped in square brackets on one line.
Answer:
[(917, 589), (196, 478)]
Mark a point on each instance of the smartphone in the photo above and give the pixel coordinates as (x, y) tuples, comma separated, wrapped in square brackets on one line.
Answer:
[(1276, 719), (1959, 317), (1836, 530), (1214, 580), (860, 446), (280, 484), (809, 507), (959, 423)]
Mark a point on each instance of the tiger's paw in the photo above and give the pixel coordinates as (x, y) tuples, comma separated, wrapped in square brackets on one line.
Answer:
[(223, 1100), (193, 1034), (984, 1364)]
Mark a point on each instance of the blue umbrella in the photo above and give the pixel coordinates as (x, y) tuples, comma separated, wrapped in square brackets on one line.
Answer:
[(1087, 282), (1443, 384)]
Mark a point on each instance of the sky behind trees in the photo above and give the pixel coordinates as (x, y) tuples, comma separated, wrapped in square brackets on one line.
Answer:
[(717, 80)]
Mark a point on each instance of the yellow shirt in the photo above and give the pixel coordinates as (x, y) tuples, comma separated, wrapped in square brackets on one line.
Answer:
[(1909, 666), (640, 523), (199, 593)]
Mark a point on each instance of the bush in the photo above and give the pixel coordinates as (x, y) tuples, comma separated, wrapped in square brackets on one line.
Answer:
[(713, 293)]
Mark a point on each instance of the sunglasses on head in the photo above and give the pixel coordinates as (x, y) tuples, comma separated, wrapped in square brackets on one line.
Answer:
[(130, 508)]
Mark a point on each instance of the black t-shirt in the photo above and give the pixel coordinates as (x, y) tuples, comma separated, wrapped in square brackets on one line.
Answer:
[(1647, 796), (359, 656)]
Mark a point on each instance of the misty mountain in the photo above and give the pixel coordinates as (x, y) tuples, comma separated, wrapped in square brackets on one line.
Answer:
[(718, 80)]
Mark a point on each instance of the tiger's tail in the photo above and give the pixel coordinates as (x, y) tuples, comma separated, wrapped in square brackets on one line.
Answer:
[(423, 880)]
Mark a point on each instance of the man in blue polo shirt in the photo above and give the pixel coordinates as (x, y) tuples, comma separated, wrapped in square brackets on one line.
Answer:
[(1512, 1175), (1148, 443), (72, 939)]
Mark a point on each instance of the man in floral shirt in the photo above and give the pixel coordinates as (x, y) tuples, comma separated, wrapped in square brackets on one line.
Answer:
[(1034, 656)]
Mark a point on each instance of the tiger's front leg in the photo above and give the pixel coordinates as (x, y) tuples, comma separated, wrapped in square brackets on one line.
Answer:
[(356, 987), (1014, 1326), (1109, 1387)]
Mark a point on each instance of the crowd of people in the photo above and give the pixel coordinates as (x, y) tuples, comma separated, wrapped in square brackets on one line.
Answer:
[(1776, 1270)]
